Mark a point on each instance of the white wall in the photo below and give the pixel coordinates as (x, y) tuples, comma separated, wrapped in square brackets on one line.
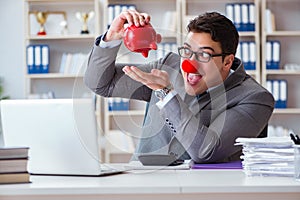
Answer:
[(12, 48)]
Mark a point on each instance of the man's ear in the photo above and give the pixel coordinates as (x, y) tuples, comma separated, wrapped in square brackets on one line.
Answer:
[(228, 60)]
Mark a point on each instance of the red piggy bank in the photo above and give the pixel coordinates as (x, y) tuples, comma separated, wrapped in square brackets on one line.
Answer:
[(141, 39)]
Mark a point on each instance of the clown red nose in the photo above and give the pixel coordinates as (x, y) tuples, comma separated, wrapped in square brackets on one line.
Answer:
[(189, 66)]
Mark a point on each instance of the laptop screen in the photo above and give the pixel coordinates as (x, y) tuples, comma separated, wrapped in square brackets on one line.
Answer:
[(61, 133)]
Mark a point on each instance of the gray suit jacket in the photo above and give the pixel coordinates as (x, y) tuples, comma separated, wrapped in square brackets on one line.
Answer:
[(202, 129)]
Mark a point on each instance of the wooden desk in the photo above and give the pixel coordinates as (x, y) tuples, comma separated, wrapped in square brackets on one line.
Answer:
[(163, 184)]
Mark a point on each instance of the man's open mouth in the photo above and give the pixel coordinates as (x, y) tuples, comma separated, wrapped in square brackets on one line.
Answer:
[(193, 79)]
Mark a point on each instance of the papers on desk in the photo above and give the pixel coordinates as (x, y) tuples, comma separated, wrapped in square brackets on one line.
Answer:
[(137, 165), (270, 156)]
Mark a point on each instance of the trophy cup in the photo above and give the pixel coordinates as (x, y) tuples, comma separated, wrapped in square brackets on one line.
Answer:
[(84, 18), (41, 18)]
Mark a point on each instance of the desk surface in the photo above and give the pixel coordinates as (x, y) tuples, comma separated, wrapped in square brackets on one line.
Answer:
[(163, 184)]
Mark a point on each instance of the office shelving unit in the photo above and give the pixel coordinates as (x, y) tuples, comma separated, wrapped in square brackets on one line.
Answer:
[(62, 85), (286, 30)]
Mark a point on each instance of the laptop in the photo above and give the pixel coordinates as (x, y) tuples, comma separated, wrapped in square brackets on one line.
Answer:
[(61, 134)]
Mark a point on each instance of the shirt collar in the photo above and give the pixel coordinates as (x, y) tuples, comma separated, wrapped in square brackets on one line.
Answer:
[(230, 72)]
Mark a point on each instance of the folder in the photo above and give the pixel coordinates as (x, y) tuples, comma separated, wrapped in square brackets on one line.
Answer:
[(124, 104), (276, 54), (275, 92), (30, 59), (279, 90), (269, 21), (225, 165), (110, 13), (229, 11), (245, 54), (237, 16), (45, 59), (252, 56), (283, 94), (251, 25), (269, 55), (238, 53), (117, 10), (63, 63), (124, 7), (269, 86), (273, 54), (37, 59), (242, 15), (110, 102), (245, 17), (131, 7), (68, 63)]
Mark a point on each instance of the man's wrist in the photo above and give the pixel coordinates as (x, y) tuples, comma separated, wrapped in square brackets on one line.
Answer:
[(109, 44), (162, 93), (170, 95)]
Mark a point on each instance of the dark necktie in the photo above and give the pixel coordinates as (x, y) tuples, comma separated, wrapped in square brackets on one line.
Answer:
[(200, 95)]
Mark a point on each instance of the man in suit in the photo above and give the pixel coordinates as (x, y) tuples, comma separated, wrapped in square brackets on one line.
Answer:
[(195, 115)]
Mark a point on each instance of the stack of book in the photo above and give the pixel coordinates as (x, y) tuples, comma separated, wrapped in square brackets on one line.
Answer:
[(13, 165), (270, 156)]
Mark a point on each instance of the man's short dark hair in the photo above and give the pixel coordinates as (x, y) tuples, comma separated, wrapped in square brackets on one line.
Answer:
[(220, 28)]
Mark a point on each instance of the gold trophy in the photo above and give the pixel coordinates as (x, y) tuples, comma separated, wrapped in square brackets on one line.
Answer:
[(84, 18), (41, 18)]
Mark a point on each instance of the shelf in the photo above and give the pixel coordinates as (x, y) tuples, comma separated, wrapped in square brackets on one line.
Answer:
[(61, 37), (287, 111), (283, 72), (284, 33), (247, 34), (168, 35), (52, 75)]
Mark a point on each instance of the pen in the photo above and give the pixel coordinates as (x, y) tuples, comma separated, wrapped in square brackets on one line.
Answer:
[(295, 138)]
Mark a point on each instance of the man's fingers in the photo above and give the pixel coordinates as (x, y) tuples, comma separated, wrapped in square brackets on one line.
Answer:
[(146, 18), (138, 19), (163, 76), (154, 80), (132, 74), (148, 78)]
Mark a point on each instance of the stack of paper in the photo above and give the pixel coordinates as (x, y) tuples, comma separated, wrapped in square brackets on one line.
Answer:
[(270, 156)]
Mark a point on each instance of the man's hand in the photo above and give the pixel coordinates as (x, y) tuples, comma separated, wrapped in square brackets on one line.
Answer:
[(132, 17), (156, 79)]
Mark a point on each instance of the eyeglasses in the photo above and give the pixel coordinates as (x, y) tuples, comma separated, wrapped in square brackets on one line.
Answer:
[(201, 56)]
